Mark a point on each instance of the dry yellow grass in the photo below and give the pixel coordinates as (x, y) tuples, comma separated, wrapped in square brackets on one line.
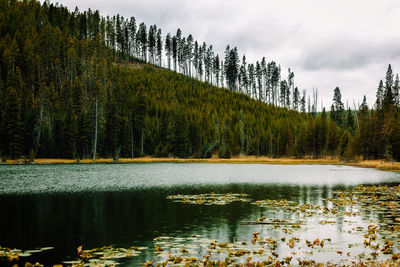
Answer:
[(42, 161), (244, 159), (378, 164)]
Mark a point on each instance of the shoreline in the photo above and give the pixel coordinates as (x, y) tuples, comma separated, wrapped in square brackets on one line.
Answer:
[(377, 164)]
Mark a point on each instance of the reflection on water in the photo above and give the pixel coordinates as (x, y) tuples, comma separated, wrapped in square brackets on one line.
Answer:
[(126, 205)]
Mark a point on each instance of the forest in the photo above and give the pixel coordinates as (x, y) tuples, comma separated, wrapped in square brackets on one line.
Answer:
[(79, 85)]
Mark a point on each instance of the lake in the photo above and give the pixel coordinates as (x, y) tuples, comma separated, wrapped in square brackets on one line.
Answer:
[(124, 205)]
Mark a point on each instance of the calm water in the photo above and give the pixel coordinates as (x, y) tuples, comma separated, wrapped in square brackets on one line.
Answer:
[(125, 205)]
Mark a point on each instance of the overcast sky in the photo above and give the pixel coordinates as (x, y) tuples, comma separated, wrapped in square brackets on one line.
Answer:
[(345, 43)]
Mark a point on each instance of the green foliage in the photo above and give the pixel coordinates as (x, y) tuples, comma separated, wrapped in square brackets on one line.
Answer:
[(71, 85), (32, 155), (393, 137)]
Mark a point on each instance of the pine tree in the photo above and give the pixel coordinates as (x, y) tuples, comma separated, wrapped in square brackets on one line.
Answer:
[(226, 140), (388, 100), (120, 36), (231, 68), (132, 36), (152, 43), (394, 137), (303, 102), (159, 47), (13, 123), (174, 50), (142, 38), (216, 68), (244, 78), (168, 49), (333, 139), (112, 127), (283, 88), (338, 108), (350, 122), (363, 133), (70, 133), (140, 114), (258, 74), (322, 132), (396, 91), (181, 134), (296, 99), (379, 96)]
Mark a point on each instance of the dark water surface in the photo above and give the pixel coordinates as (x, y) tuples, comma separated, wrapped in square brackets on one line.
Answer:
[(125, 205)]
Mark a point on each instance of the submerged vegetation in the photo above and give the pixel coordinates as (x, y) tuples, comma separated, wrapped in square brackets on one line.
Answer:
[(78, 85), (374, 244), (13, 256), (298, 234), (209, 199)]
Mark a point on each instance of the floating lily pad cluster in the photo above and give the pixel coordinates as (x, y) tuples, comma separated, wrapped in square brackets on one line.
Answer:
[(309, 210), (14, 255), (369, 215), (275, 203), (103, 256), (259, 251), (375, 243), (209, 199)]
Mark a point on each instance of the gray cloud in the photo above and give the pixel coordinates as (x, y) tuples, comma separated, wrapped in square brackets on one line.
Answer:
[(345, 53)]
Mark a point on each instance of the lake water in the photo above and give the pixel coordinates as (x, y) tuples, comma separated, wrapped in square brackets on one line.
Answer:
[(65, 206)]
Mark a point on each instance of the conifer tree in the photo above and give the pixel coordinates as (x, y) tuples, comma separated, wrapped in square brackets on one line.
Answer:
[(337, 109), (174, 50), (226, 140), (113, 127), (388, 100), (13, 123), (152, 43), (181, 134), (303, 102), (140, 114), (244, 77), (396, 91), (216, 68), (132, 36), (159, 47), (231, 67), (350, 122), (296, 99), (322, 132), (142, 38), (70, 133), (168, 49), (394, 137), (379, 96)]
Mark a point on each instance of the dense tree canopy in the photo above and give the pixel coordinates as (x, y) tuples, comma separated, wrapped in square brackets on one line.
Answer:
[(78, 85)]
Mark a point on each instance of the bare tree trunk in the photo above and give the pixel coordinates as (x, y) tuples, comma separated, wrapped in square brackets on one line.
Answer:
[(37, 129), (131, 137), (95, 134), (142, 141)]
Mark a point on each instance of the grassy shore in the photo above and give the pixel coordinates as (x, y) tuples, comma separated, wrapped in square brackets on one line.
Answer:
[(378, 164), (246, 159)]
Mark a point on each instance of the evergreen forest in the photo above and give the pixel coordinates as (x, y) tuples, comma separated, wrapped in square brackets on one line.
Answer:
[(75, 84)]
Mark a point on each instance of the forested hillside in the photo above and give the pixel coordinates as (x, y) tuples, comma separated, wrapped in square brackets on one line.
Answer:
[(78, 85)]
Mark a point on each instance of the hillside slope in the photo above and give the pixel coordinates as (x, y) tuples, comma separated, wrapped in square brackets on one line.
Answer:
[(63, 95)]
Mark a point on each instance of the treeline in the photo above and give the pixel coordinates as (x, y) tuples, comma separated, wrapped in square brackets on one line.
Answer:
[(378, 129), (129, 40), (76, 85)]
